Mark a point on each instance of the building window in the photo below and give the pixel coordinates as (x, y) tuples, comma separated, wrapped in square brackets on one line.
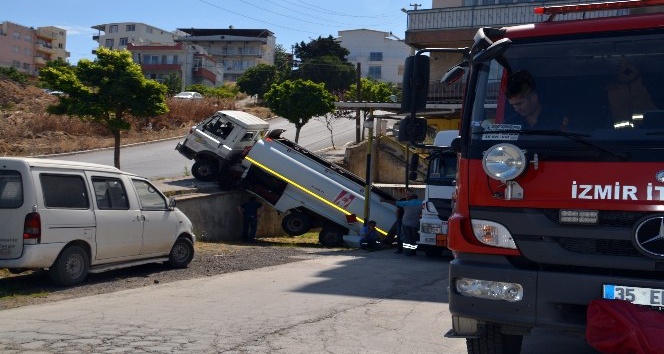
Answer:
[(376, 56), (113, 29), (148, 29), (26, 66), (16, 49), (16, 35), (175, 59), (374, 72), (131, 28), (124, 41), (27, 38), (109, 43), (16, 63)]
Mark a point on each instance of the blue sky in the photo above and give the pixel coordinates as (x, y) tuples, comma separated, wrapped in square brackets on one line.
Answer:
[(292, 21)]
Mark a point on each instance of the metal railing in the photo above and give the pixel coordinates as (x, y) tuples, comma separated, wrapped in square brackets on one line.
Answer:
[(491, 15)]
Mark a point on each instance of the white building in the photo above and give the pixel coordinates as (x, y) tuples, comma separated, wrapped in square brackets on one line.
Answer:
[(235, 49), (119, 35), (381, 54)]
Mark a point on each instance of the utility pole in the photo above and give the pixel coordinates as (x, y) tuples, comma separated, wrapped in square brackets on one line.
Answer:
[(358, 98)]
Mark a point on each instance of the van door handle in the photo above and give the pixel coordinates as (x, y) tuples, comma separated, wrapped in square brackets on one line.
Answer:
[(140, 218)]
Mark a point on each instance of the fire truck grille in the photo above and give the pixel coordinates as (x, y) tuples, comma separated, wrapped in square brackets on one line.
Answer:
[(599, 247), (606, 217)]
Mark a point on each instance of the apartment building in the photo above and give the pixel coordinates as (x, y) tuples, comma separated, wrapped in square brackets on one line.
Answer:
[(189, 62), (381, 54), (235, 49), (29, 49), (120, 35)]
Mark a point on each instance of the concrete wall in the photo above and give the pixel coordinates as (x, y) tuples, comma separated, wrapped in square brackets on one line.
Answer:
[(215, 216)]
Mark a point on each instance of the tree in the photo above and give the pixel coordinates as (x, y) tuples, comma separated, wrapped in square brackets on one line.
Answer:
[(372, 90), (107, 91), (173, 84), (257, 80), (336, 74), (321, 47), (298, 101), (284, 63)]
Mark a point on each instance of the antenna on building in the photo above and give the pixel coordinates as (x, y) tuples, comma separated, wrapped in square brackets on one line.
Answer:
[(415, 6)]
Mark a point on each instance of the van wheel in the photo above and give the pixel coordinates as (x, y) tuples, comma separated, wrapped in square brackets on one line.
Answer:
[(182, 253), (331, 237), (204, 170), (492, 341), (296, 224), (71, 267)]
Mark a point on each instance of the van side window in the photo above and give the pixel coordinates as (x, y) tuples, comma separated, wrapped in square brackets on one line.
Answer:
[(64, 191), (110, 194), (150, 198), (11, 190)]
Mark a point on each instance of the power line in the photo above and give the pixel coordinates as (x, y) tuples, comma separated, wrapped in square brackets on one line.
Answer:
[(321, 9)]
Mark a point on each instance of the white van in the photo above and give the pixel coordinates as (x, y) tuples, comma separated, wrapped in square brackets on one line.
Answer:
[(77, 218)]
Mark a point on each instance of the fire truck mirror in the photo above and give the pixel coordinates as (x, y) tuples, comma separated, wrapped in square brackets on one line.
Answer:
[(414, 162), (415, 83), (412, 129), (454, 74), (493, 51)]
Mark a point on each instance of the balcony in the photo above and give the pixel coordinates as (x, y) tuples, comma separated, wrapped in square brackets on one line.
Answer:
[(456, 26), (161, 67), (40, 60), (46, 48), (200, 72), (44, 33), (95, 38)]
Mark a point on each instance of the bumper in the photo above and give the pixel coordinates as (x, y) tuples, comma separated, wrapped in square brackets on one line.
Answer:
[(35, 256), (185, 151), (550, 299)]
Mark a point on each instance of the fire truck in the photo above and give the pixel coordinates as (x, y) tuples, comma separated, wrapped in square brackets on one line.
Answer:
[(550, 216)]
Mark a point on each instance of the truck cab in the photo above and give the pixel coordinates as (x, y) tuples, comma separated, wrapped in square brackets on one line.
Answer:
[(437, 204), (217, 143)]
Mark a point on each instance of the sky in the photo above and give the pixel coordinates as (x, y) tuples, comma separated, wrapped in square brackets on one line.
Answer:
[(291, 21)]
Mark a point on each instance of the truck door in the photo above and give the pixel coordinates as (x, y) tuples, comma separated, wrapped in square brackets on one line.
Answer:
[(159, 222), (119, 221)]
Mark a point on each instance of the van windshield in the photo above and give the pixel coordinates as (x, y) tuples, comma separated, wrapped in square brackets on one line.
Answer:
[(606, 90)]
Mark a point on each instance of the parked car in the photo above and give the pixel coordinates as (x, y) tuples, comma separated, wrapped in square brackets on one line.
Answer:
[(75, 218), (189, 95), (56, 93)]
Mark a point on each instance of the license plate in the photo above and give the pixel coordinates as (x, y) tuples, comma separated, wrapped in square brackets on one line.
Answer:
[(635, 295)]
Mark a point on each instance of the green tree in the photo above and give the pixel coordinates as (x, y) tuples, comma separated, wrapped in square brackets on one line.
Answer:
[(372, 90), (336, 74), (284, 63), (107, 91), (173, 84), (298, 101), (321, 47), (257, 80)]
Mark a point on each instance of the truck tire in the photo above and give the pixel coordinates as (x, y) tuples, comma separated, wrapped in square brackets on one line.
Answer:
[(492, 341), (71, 267), (331, 236), (296, 223), (205, 170)]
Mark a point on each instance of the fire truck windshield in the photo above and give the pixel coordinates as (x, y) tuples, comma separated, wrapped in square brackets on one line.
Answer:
[(604, 91)]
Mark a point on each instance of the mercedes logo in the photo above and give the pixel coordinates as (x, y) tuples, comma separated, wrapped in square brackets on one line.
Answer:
[(649, 236), (660, 176)]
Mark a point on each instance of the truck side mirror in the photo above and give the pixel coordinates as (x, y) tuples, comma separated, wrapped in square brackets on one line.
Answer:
[(415, 83), (413, 164), (412, 129)]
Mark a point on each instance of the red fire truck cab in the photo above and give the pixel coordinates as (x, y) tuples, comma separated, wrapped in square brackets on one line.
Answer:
[(560, 187)]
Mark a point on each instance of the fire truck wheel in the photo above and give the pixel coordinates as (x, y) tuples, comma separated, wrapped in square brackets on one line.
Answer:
[(296, 223), (492, 341), (204, 170), (331, 237)]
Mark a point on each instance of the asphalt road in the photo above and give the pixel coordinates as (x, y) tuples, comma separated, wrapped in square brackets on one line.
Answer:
[(160, 159), (355, 302)]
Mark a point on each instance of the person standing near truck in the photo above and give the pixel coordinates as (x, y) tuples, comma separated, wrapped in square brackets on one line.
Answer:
[(250, 211), (410, 221)]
